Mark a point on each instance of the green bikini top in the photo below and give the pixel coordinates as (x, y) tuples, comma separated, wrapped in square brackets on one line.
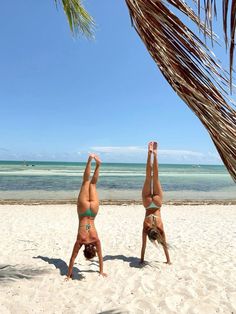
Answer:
[(88, 213)]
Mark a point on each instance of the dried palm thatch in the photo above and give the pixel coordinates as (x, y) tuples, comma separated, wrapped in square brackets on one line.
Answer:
[(189, 66), (184, 60)]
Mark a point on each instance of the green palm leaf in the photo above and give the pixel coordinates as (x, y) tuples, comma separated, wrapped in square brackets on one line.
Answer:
[(79, 19)]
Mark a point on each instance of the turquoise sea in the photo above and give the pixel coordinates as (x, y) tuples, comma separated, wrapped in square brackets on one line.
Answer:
[(62, 180)]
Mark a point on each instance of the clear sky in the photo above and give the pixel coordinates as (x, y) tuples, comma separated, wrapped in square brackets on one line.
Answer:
[(61, 98)]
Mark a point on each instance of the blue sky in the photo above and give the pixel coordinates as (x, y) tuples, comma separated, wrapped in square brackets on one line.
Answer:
[(62, 98)]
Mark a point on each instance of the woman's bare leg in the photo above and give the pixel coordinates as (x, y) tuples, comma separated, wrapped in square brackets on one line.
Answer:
[(157, 189), (83, 198), (96, 171), (93, 195), (147, 186)]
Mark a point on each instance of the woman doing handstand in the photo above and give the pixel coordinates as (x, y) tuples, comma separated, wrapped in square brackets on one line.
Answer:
[(152, 201), (87, 209)]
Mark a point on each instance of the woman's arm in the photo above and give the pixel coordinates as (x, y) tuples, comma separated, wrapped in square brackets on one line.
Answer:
[(144, 238), (99, 252), (160, 227), (165, 248), (75, 251)]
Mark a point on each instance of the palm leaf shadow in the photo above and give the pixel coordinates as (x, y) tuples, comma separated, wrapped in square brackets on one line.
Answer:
[(16, 272)]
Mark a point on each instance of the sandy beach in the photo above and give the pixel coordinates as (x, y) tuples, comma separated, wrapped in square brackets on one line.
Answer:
[(36, 244)]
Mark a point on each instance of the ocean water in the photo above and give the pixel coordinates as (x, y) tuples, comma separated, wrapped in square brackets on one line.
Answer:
[(61, 180)]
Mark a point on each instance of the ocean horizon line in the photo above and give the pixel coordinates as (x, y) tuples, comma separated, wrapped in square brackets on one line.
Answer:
[(26, 161)]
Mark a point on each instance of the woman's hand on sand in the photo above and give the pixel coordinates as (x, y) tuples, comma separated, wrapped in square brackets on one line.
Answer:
[(68, 278), (103, 274), (142, 262)]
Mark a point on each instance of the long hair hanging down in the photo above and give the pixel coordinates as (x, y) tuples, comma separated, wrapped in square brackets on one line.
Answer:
[(189, 66), (156, 236)]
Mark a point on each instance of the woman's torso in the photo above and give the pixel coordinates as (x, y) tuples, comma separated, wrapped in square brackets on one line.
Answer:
[(87, 232), (152, 217)]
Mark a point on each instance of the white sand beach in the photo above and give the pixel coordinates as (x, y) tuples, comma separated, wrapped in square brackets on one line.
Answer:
[(36, 244)]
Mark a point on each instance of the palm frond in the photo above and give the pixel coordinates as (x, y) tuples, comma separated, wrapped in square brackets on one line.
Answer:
[(209, 11), (189, 66), (228, 17), (78, 18)]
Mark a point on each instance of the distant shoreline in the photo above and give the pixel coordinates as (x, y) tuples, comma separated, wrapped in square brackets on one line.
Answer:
[(59, 162), (114, 202)]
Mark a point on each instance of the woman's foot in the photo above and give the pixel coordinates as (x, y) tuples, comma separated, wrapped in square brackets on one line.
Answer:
[(150, 147), (91, 157), (98, 160), (155, 147)]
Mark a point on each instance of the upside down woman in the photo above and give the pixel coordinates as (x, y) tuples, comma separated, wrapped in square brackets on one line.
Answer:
[(152, 200), (87, 209)]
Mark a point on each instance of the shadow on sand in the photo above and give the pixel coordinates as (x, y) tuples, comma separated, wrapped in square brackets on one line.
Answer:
[(114, 312), (63, 267), (15, 272), (133, 261)]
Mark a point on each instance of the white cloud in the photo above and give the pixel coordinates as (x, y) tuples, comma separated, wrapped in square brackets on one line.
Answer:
[(179, 153), (118, 149), (139, 154), (130, 154)]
